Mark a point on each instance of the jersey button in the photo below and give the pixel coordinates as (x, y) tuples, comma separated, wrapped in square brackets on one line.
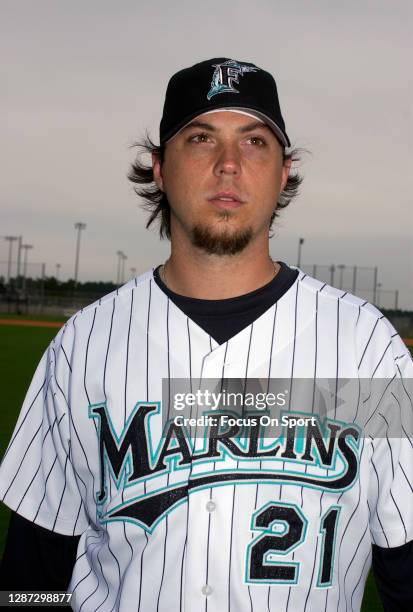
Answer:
[(210, 506), (206, 590)]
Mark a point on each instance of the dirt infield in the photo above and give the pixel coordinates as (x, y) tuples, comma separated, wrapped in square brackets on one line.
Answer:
[(32, 323)]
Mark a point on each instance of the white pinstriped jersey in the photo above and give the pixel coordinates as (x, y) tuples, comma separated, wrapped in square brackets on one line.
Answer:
[(161, 530)]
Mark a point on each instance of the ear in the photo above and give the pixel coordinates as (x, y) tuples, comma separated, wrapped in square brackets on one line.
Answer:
[(285, 172), (157, 171)]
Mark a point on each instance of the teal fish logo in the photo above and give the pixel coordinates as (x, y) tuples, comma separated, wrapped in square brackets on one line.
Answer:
[(226, 75)]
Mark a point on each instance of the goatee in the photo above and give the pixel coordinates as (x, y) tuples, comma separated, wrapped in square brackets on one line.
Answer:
[(220, 243)]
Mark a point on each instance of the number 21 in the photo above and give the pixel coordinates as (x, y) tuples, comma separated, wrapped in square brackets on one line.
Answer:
[(284, 528)]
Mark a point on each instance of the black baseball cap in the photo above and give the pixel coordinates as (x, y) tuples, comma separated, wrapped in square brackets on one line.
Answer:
[(221, 83)]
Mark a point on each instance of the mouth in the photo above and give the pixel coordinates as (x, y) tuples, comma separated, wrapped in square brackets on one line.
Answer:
[(226, 200)]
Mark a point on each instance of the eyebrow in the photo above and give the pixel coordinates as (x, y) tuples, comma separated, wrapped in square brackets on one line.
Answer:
[(210, 128)]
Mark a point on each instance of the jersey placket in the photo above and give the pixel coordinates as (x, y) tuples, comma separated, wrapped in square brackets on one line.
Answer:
[(210, 508)]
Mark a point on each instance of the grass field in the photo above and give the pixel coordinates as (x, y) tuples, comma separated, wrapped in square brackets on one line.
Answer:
[(20, 350)]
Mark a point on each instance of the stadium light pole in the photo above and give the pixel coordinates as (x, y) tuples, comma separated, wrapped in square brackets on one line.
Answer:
[(379, 286), (300, 244), (79, 226), (354, 280), (58, 266), (341, 268), (26, 248), (375, 278), (133, 272), (120, 255), (122, 278), (19, 257), (10, 240)]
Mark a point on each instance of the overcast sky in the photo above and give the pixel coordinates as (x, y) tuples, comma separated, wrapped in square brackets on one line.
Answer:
[(81, 81)]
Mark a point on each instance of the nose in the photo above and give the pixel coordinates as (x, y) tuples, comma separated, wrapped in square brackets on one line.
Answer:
[(228, 161)]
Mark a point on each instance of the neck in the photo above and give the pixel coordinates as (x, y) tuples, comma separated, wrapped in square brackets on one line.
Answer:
[(193, 273)]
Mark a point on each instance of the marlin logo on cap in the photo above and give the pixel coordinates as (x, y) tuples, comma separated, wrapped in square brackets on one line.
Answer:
[(225, 75)]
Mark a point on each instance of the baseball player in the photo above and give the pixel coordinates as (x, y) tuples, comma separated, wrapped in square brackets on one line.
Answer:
[(127, 508)]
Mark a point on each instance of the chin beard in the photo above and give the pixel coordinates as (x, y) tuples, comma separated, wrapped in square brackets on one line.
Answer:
[(220, 243)]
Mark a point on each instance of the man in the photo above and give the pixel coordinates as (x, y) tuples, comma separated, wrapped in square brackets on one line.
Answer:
[(163, 517)]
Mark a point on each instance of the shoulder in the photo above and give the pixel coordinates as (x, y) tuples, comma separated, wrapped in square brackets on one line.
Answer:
[(358, 321), (363, 310), (112, 312), (120, 299)]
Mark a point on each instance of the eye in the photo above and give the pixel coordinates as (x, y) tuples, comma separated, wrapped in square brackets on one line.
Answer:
[(257, 141), (199, 138)]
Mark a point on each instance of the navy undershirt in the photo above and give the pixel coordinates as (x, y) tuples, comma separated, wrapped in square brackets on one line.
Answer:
[(223, 319), (38, 559)]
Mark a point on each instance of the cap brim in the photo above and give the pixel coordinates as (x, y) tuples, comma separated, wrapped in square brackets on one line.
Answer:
[(283, 138)]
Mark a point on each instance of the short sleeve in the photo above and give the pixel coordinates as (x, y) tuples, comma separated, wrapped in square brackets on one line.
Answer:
[(391, 483), (37, 477)]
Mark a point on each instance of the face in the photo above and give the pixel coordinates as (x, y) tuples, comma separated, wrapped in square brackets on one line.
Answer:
[(222, 175)]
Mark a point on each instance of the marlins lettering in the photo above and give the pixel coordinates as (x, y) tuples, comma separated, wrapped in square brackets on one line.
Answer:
[(129, 459)]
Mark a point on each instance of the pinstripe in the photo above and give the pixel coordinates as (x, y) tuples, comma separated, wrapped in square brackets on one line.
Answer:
[(245, 388), (45, 489), (21, 464), (187, 504), (127, 359), (344, 533), (291, 376), (312, 410), (377, 512), (80, 443), (24, 419), (268, 387), (381, 359), (38, 467), (312, 576), (401, 518), (361, 576), (70, 417), (63, 492), (124, 421), (337, 355), (367, 344), (77, 517), (392, 468), (79, 582), (230, 541), (167, 478), (404, 474), (105, 396), (86, 357), (66, 357), (107, 351), (335, 410), (379, 402), (107, 594), (147, 398), (98, 549), (404, 386), (407, 437), (88, 537), (388, 443), (351, 561), (27, 450)]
